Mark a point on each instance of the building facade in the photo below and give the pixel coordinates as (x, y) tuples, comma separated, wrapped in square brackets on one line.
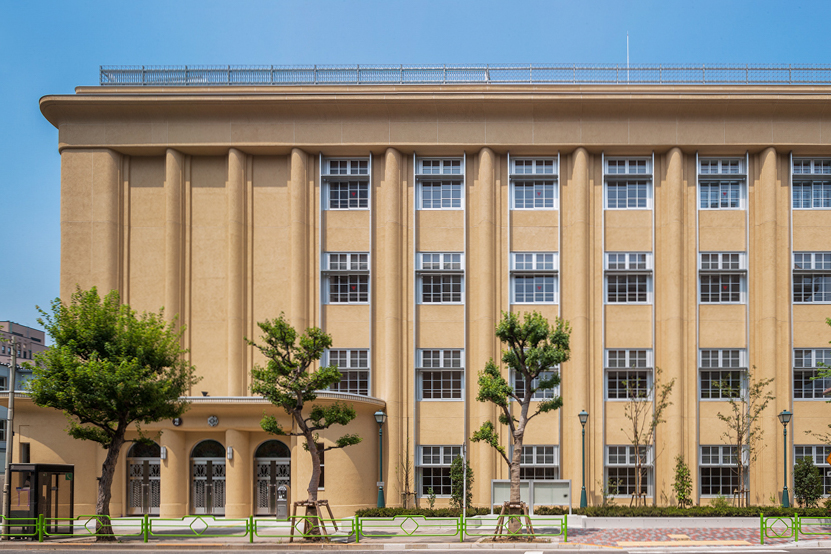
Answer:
[(675, 227)]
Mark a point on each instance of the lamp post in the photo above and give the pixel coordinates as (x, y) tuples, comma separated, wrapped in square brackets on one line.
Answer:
[(785, 417), (584, 417), (380, 418)]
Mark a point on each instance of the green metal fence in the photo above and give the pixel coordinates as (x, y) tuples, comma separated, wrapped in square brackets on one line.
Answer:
[(410, 526), (517, 526), (783, 527)]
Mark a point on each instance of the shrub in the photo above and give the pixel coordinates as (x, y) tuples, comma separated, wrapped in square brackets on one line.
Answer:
[(457, 475), (807, 483), (683, 483), (426, 512)]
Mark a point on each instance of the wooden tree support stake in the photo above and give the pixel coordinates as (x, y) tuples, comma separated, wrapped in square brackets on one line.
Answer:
[(320, 523), (512, 509)]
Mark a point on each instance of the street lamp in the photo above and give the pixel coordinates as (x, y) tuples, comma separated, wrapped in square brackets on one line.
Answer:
[(584, 417), (785, 417), (380, 418)]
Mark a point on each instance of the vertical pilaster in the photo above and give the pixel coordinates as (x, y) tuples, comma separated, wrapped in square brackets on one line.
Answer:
[(393, 331), (299, 237), (238, 475), (173, 235), (174, 476), (576, 275), (483, 273), (236, 271)]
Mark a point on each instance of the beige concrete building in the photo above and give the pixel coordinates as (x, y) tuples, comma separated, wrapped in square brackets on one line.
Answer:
[(681, 227)]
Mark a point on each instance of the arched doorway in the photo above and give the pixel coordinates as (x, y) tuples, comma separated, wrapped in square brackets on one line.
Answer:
[(207, 461), (272, 467), (144, 479)]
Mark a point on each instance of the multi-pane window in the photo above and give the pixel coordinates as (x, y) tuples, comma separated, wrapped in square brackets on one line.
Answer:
[(347, 277), (4, 384), (441, 277), (722, 277), (719, 474), (722, 373), (628, 277), (628, 183), (534, 184), (628, 374), (715, 192), (441, 374), (807, 363), (433, 464), (811, 277), (622, 470), (818, 453), (2, 430), (437, 191), (539, 462), (534, 277), (322, 455), (811, 184), (354, 369), (539, 394), (348, 184), (720, 195)]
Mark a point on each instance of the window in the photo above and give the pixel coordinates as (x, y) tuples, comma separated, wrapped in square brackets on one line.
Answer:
[(534, 277), (534, 184), (811, 277), (811, 184), (628, 374), (435, 190), (722, 374), (625, 192), (722, 277), (4, 384), (540, 462), (539, 394), (441, 277), (441, 374), (346, 277), (354, 369), (628, 277), (434, 469), (719, 474), (346, 193), (321, 453), (806, 367), (2, 430), (716, 192), (819, 453), (622, 470)]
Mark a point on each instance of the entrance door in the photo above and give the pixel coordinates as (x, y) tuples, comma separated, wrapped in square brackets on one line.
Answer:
[(271, 473), (208, 475), (144, 479)]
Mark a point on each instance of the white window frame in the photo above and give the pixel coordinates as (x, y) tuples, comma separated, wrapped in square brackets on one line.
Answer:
[(632, 170), (629, 453), (446, 261), (538, 395), (633, 361), (354, 268), (446, 454), (535, 176), (443, 367), (725, 455), (354, 173), (724, 266), (719, 167), (632, 266), (814, 173), (536, 452), (449, 170), (540, 267), (814, 367), (721, 360), (813, 265), (818, 452), (350, 368)]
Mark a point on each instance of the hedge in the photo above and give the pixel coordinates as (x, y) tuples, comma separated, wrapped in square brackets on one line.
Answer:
[(612, 511)]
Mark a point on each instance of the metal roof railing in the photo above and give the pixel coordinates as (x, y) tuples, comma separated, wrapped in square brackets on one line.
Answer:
[(508, 74)]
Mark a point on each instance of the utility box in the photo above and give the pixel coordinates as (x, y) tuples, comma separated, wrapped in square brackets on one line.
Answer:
[(282, 507), (541, 492), (41, 489)]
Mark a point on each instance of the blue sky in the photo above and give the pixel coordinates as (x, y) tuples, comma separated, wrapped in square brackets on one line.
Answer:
[(51, 47)]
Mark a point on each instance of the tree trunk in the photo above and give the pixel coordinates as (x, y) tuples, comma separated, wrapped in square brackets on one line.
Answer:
[(103, 528), (515, 466), (314, 482)]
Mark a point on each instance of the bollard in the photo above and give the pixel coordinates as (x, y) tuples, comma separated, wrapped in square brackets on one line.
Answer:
[(39, 526), (357, 529), (565, 528), (250, 529), (145, 527), (795, 525)]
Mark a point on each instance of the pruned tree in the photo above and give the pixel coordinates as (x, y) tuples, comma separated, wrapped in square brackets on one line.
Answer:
[(534, 350), (288, 381), (404, 472), (645, 406), (109, 369), (744, 432)]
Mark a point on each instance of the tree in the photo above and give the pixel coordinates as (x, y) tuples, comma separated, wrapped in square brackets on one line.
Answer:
[(744, 433), (682, 485), (287, 382), (457, 476), (823, 375), (109, 368), (405, 472), (534, 350), (645, 407), (807, 483)]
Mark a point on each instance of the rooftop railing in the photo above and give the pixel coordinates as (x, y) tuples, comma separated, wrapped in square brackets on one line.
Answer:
[(506, 74)]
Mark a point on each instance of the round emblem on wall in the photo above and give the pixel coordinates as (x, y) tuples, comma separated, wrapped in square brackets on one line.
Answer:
[(177, 421), (213, 421)]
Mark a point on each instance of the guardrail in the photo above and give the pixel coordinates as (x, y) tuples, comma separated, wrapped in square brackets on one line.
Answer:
[(582, 74), (780, 527), (145, 528)]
